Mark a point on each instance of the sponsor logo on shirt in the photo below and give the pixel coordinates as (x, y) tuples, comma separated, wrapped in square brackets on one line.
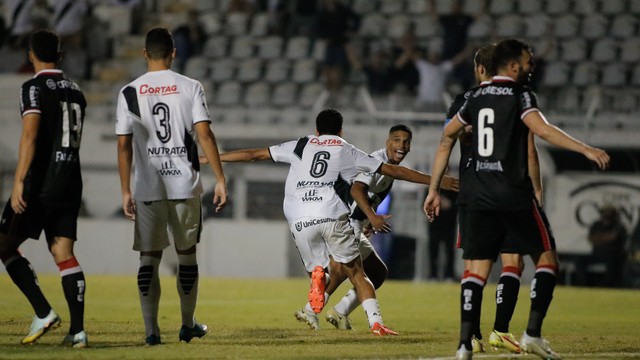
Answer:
[(313, 184), (65, 156), (167, 151), (489, 166), (311, 196), (313, 222), (145, 89), (326, 142), (493, 90), (169, 169)]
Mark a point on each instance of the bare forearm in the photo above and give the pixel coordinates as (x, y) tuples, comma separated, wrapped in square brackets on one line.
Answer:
[(359, 192), (125, 156), (26, 152), (404, 173), (210, 149), (441, 162)]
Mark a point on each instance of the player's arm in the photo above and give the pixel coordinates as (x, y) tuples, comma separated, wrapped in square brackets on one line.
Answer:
[(449, 137), (26, 152), (246, 155), (539, 125), (360, 192), (534, 168), (209, 146), (125, 159)]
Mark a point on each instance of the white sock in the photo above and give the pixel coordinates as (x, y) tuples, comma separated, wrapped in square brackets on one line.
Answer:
[(187, 283), (149, 292), (372, 310), (348, 303)]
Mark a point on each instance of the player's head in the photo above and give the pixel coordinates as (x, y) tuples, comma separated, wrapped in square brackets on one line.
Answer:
[(44, 45), (398, 143), (329, 122), (483, 63), (159, 45), (514, 58)]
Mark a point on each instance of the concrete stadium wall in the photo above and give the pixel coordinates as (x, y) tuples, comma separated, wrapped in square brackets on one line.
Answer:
[(255, 249)]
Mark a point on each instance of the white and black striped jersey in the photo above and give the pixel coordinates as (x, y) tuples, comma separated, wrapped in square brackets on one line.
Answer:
[(54, 176), (322, 168), (499, 176), (160, 109), (379, 186)]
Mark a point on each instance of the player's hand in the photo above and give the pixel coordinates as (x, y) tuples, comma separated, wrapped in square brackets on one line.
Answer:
[(598, 156), (220, 196), (129, 206), (431, 206), (450, 183), (379, 225), (17, 202)]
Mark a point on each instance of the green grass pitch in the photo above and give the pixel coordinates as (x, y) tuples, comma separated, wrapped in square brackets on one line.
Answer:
[(253, 319)]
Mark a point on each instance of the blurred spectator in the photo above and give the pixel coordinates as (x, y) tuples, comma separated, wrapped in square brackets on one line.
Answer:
[(24, 16), (378, 70), (189, 39), (303, 14), (279, 18), (433, 73), (137, 13), (405, 71), (442, 235), (241, 6), (335, 23), (455, 29), (607, 237), (68, 21)]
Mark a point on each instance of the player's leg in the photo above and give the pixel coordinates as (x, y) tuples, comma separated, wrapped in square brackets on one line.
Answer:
[(150, 239), (185, 223), (532, 228), (312, 249), (61, 231), (341, 243), (506, 299), (14, 230), (375, 269), (481, 243)]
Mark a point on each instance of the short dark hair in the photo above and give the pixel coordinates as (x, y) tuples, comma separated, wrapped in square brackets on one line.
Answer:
[(485, 56), (329, 122), (509, 50), (401, 127), (159, 43), (45, 45)]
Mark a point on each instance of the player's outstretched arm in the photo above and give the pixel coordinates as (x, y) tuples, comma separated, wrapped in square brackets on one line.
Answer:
[(125, 156), (246, 155), (539, 125), (359, 192), (207, 141)]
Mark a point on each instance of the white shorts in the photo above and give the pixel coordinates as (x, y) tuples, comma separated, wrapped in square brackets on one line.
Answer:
[(364, 245), (157, 221), (319, 238)]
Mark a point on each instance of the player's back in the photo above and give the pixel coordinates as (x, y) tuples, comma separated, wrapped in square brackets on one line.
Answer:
[(318, 165), (54, 174), (160, 109), (499, 179)]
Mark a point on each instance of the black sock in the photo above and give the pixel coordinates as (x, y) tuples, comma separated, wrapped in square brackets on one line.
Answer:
[(74, 289), (23, 275), (541, 294), (506, 299), (470, 308)]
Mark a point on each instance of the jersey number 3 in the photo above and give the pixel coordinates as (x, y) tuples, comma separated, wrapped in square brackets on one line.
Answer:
[(161, 113), (485, 133)]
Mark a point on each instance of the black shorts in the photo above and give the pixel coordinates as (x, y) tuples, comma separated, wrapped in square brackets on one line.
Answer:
[(484, 234), (54, 220)]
